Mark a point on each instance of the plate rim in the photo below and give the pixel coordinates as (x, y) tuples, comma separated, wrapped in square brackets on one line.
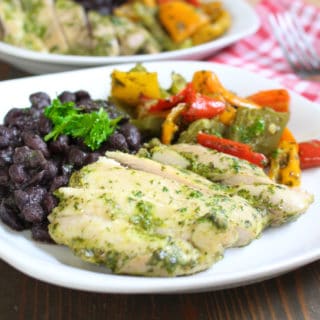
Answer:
[(49, 58)]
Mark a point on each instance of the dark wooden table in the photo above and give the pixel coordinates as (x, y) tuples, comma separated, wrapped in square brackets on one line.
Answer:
[(295, 295)]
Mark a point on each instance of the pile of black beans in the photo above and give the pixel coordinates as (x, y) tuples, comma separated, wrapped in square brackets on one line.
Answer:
[(104, 7), (32, 169)]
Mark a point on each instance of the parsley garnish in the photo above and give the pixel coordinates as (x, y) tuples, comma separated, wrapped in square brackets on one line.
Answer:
[(94, 127)]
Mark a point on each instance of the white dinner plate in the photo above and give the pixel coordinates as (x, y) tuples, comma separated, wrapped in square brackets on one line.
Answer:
[(278, 250), (244, 23)]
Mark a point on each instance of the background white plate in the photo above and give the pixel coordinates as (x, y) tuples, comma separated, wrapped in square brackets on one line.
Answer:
[(277, 251), (244, 23)]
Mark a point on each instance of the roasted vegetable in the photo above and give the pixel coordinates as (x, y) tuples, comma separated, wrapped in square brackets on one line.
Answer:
[(260, 128), (169, 126), (240, 150), (309, 152), (212, 30), (178, 83), (181, 19), (211, 126), (128, 87), (228, 115), (277, 99), (200, 106), (285, 163)]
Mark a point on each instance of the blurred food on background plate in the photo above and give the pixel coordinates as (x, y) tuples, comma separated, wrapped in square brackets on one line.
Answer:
[(111, 27)]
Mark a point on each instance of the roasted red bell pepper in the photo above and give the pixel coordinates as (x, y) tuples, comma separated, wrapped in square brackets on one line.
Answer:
[(170, 102), (198, 106), (309, 153), (238, 149)]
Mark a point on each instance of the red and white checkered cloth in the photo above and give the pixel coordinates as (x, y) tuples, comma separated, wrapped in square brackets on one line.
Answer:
[(260, 53)]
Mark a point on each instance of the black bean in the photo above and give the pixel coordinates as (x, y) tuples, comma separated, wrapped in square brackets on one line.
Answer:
[(35, 142), (60, 145), (35, 178), (76, 156), (33, 212), (21, 198), (92, 157), (49, 201), (39, 100), (51, 170), (82, 95), (10, 217), (4, 176), (18, 174), (67, 96), (11, 117), (116, 141), (8, 136), (66, 169), (6, 156), (87, 105), (23, 119), (58, 182), (132, 135), (45, 125), (36, 194), (30, 158), (112, 110), (40, 232)]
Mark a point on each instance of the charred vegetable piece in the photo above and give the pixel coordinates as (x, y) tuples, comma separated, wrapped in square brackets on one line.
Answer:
[(212, 30), (128, 87), (169, 126), (276, 99), (285, 163), (211, 126), (309, 152), (240, 150), (260, 128), (178, 83), (169, 102), (181, 19), (200, 106)]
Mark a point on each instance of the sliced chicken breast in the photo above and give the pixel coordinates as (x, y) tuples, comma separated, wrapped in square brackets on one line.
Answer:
[(148, 204), (73, 21), (42, 21)]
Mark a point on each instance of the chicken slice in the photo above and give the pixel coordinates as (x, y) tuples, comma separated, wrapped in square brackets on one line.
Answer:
[(278, 202), (104, 40), (132, 37), (218, 166), (282, 203), (153, 208), (11, 21), (42, 21), (14, 29), (181, 175), (73, 21), (249, 223), (85, 222)]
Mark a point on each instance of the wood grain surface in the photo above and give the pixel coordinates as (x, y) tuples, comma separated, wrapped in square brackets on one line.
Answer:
[(293, 296)]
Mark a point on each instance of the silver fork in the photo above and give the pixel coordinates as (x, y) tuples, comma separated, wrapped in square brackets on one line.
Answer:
[(296, 45)]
